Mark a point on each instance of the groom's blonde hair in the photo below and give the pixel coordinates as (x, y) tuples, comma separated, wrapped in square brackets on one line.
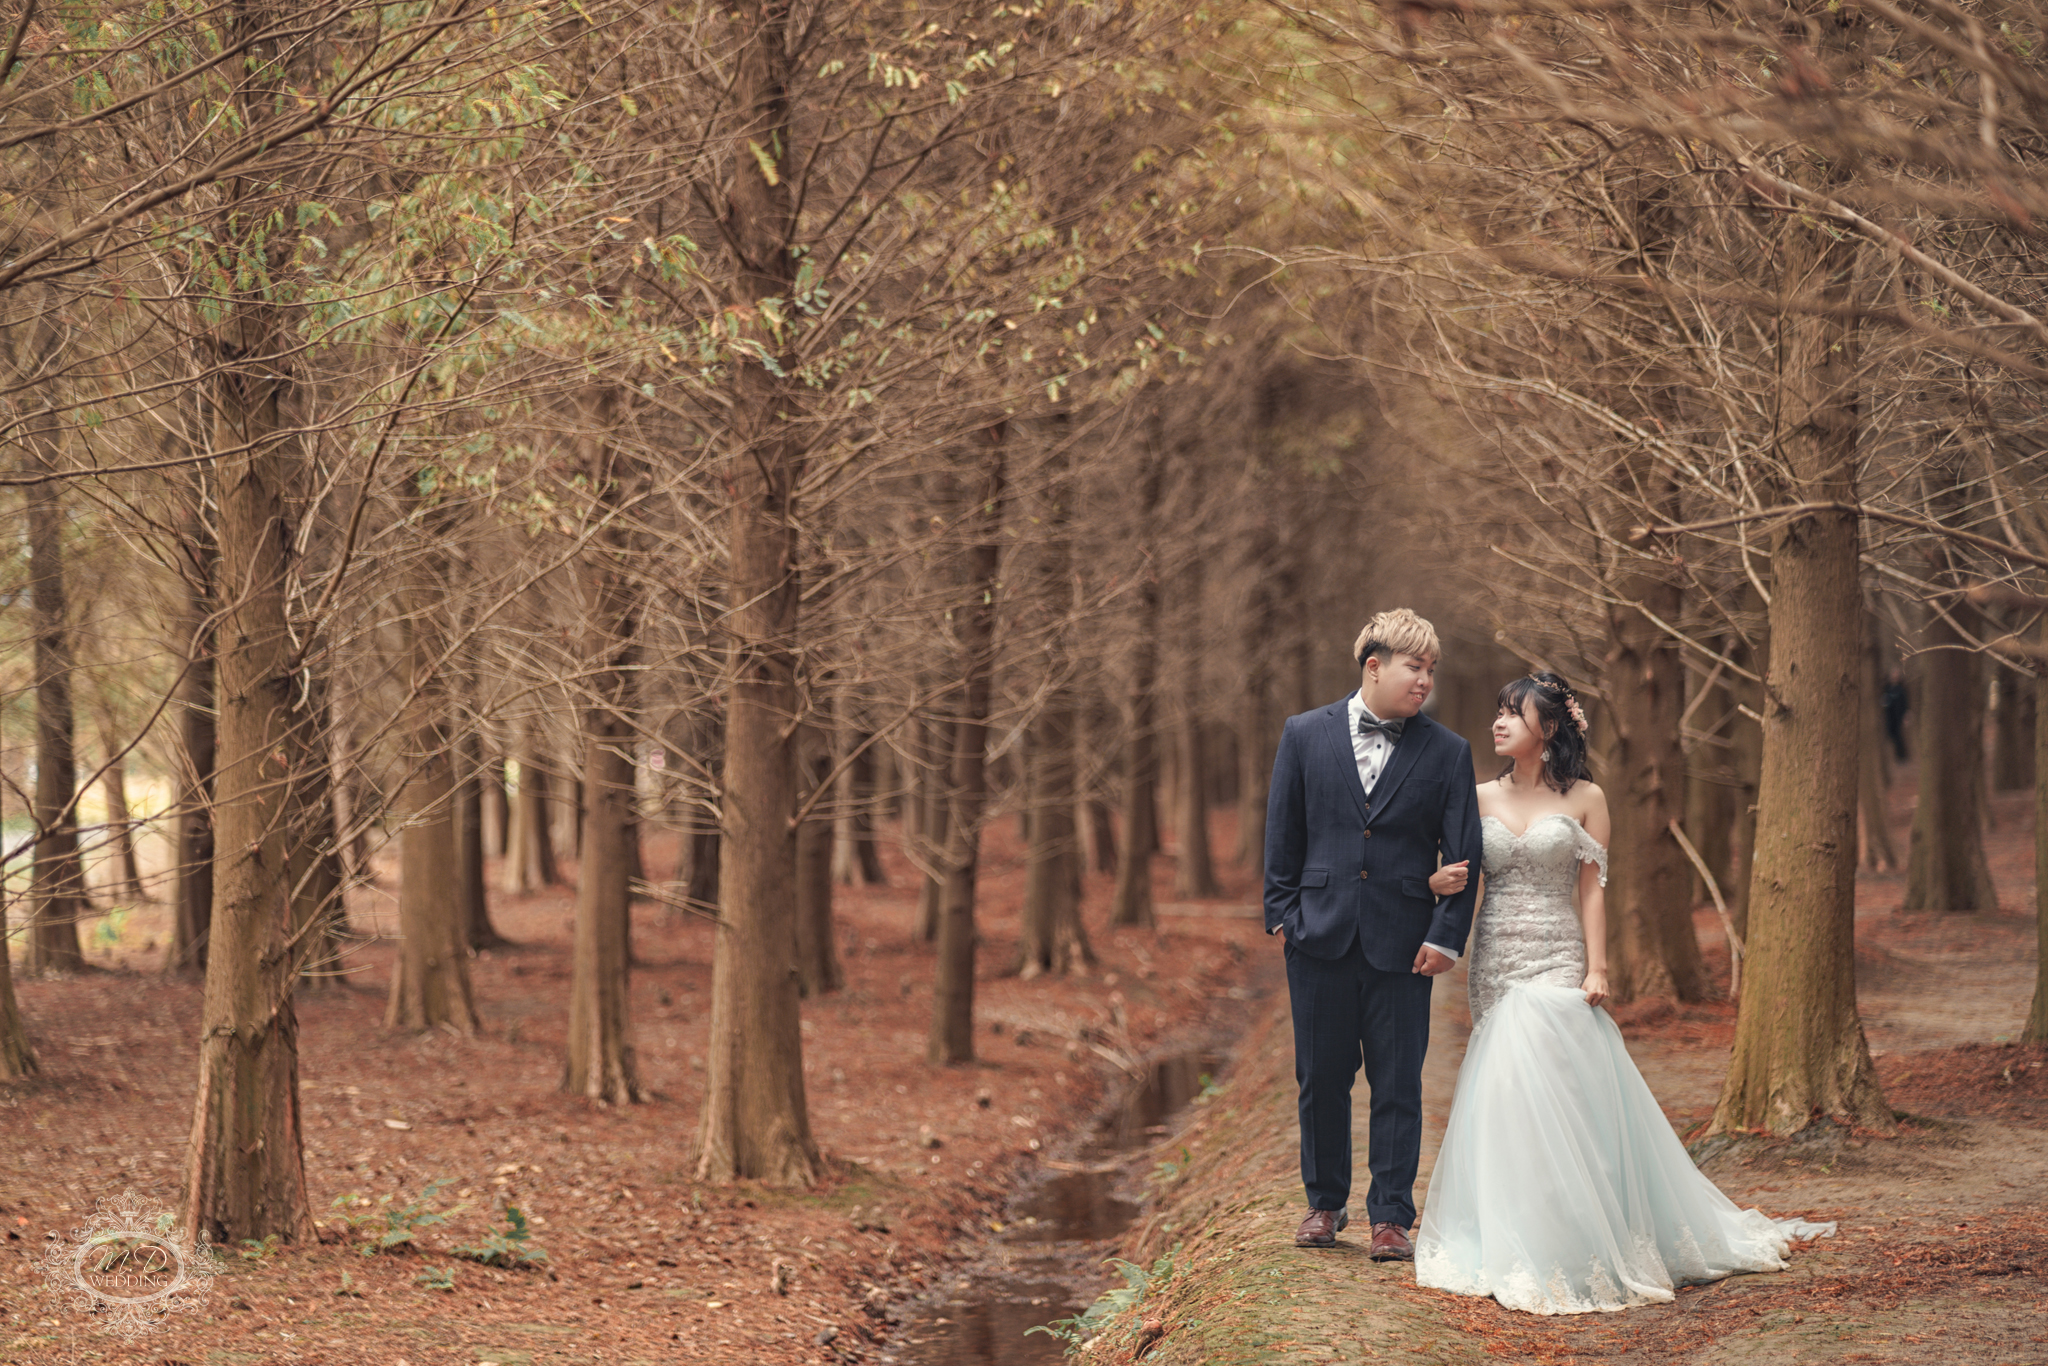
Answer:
[(1399, 632)]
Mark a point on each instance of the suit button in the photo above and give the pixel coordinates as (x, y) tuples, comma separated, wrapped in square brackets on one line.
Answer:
[(1366, 833), (1361, 875)]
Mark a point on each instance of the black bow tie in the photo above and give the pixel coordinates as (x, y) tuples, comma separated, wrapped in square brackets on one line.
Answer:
[(1391, 729)]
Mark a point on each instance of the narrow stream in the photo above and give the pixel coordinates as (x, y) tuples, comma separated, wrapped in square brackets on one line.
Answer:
[(1046, 1264)]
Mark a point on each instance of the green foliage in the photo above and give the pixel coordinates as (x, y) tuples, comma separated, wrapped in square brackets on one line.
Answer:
[(260, 1249), (107, 933), (1170, 1171), (1096, 1320), (507, 1246), (400, 1222), (440, 1278)]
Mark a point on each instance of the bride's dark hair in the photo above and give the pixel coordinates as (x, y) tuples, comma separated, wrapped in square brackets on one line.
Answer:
[(1562, 720)]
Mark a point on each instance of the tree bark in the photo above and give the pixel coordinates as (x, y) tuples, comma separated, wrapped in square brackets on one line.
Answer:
[(17, 1054), (1131, 903), (1872, 805), (245, 1167), (951, 1039), (817, 950), (192, 894), (756, 1122), (935, 808), (126, 884), (530, 864), (1194, 873), (430, 985), (1946, 869), (57, 880), (2037, 1014), (1646, 696), (314, 866), (1051, 936), (1255, 729), (474, 782), (855, 857), (1747, 756), (496, 813), (1800, 1053), (600, 1065), (2012, 754)]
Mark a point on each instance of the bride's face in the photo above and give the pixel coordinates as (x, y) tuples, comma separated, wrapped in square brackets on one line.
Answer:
[(1518, 735)]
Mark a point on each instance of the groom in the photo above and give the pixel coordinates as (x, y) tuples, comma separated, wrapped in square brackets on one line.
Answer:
[(1368, 797)]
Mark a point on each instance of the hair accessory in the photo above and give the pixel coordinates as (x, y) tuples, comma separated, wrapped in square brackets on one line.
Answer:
[(1571, 700)]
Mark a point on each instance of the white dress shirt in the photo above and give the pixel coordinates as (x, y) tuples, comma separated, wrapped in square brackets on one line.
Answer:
[(1373, 751)]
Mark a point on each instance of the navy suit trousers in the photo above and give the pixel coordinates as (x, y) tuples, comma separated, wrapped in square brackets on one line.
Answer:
[(1346, 1010)]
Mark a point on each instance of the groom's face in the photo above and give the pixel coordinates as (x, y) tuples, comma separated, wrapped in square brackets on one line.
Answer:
[(1400, 686)]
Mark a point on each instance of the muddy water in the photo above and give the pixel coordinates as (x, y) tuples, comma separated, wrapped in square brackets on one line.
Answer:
[(1047, 1262)]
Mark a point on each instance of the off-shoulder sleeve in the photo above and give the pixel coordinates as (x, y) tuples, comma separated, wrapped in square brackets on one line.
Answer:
[(1591, 850)]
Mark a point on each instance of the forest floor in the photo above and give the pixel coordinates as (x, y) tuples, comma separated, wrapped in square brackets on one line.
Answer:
[(1944, 1227), (1942, 1252), (643, 1263)]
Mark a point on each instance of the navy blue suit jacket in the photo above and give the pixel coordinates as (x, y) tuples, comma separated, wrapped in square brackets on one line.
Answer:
[(1339, 867)]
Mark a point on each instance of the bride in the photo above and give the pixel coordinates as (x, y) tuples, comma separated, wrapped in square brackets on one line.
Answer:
[(1560, 1188)]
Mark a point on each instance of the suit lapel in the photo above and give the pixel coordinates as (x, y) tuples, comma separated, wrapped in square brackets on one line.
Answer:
[(1414, 739), (1337, 727)]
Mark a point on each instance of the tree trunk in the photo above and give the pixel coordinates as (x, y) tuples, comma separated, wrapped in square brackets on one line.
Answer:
[(1194, 874), (855, 857), (1052, 937), (246, 1171), (756, 1121), (1946, 869), (2012, 754), (126, 884), (935, 808), (817, 951), (1646, 696), (1800, 1054), (1098, 829), (1255, 728), (313, 850), (530, 864), (17, 1055), (1747, 755), (474, 781), (192, 887), (1872, 804), (600, 1065), (496, 809), (2037, 1015), (56, 880), (952, 1030), (430, 985), (1131, 903)]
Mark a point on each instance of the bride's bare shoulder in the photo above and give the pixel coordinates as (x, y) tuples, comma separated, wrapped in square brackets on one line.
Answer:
[(1591, 812)]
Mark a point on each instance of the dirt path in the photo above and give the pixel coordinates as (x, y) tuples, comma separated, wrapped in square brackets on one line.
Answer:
[(1944, 1227)]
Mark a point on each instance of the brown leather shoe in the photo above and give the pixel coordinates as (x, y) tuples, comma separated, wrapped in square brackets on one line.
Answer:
[(1321, 1228), (1390, 1244)]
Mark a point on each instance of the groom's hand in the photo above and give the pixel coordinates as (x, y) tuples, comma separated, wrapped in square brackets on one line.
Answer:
[(1429, 962)]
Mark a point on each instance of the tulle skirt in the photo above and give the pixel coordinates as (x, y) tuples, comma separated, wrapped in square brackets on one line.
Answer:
[(1560, 1187)]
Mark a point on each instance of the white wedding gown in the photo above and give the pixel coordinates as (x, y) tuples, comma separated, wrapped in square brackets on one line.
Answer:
[(1560, 1187)]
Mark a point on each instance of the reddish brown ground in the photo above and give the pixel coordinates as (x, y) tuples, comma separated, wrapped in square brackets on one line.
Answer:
[(644, 1263)]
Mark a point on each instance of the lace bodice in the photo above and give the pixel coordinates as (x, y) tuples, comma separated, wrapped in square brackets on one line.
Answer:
[(1527, 928)]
